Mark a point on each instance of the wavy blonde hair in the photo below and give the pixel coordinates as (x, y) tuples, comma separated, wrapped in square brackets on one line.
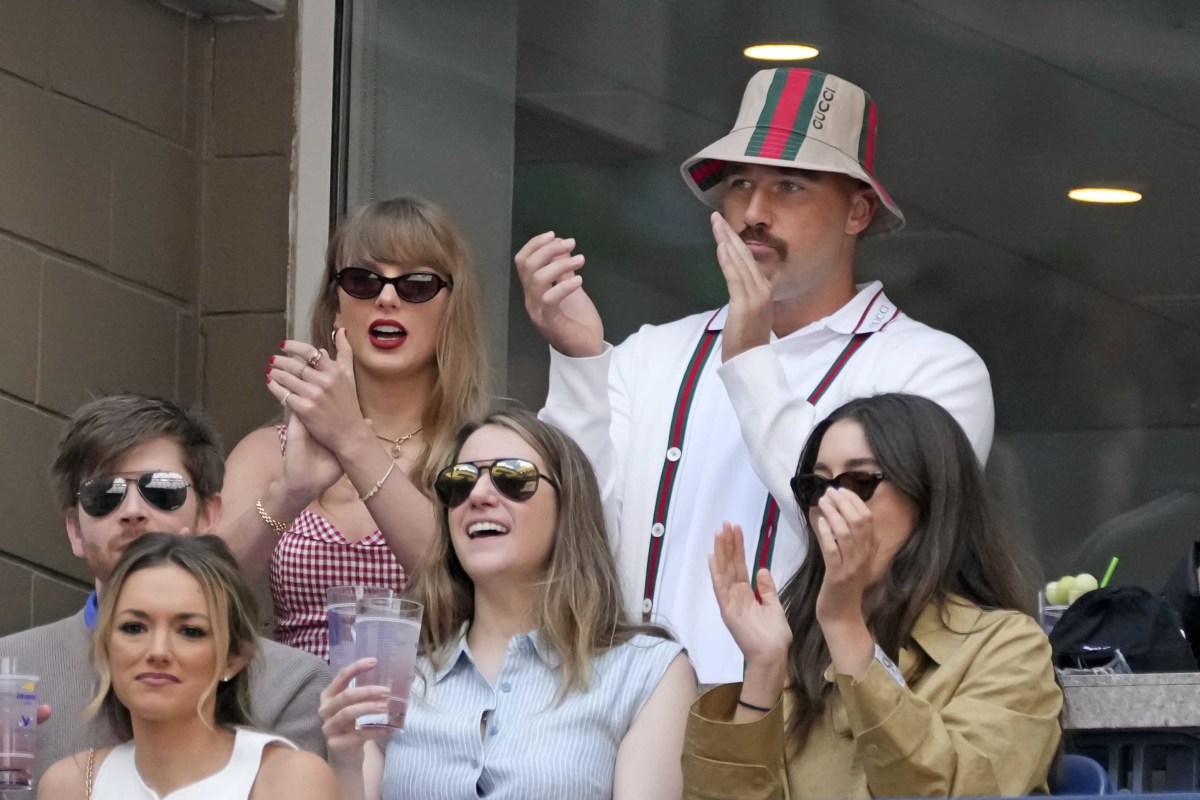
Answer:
[(231, 609), (411, 232), (579, 612)]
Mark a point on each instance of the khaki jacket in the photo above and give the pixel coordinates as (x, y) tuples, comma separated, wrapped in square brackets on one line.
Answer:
[(979, 717)]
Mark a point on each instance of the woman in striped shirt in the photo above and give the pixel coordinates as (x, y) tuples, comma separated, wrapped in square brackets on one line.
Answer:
[(532, 681)]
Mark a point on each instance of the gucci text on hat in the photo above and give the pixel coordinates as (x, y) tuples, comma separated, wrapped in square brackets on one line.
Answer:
[(798, 119)]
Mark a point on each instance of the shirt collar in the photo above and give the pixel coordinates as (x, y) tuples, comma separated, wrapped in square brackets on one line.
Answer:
[(458, 651), (90, 609), (522, 642), (869, 311), (939, 632)]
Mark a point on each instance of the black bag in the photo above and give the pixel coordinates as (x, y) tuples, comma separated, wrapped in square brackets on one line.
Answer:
[(1146, 629)]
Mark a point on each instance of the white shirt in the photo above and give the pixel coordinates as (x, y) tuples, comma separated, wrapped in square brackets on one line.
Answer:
[(118, 778), (749, 419)]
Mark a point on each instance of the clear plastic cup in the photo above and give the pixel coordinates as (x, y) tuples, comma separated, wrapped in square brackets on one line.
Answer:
[(340, 605), (1048, 614), (18, 722), (388, 629)]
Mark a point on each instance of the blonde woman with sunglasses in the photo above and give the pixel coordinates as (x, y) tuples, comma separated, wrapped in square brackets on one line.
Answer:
[(532, 682), (341, 493)]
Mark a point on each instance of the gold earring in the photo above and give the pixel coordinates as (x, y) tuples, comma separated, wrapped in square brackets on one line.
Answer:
[(333, 337)]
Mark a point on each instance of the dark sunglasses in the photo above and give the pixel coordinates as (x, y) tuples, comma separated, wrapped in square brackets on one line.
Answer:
[(809, 487), (413, 287), (515, 478), (100, 496)]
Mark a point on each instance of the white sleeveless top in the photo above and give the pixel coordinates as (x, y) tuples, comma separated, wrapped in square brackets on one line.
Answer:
[(118, 778)]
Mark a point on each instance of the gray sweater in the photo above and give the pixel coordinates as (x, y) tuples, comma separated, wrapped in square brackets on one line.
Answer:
[(286, 687)]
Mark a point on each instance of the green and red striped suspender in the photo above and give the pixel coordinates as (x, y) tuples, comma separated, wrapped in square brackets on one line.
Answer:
[(679, 420)]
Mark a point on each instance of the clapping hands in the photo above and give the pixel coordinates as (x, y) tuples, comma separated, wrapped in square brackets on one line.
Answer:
[(761, 630)]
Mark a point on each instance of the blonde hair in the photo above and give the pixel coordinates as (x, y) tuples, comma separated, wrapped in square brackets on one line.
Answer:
[(579, 611), (411, 232), (231, 609)]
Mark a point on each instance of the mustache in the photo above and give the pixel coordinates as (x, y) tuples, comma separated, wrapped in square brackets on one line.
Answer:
[(757, 234)]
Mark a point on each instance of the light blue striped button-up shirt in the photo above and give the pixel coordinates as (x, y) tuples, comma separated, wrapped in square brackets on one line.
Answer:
[(466, 738)]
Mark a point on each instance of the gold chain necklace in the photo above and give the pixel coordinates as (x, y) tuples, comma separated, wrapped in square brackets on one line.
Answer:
[(398, 441)]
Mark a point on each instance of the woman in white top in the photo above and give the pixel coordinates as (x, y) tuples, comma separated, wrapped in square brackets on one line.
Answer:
[(532, 681), (173, 638)]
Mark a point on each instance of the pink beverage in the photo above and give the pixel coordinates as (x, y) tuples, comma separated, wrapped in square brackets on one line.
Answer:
[(388, 629), (18, 720), (341, 635), (340, 609)]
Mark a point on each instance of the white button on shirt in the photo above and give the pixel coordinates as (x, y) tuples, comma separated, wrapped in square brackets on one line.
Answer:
[(749, 420)]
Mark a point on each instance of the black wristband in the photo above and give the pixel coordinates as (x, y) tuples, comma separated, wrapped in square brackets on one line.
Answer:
[(753, 707)]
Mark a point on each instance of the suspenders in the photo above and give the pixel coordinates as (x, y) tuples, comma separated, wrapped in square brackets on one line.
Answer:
[(679, 420)]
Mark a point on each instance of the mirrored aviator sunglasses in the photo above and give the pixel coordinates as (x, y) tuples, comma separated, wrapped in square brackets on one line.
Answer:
[(809, 487), (515, 478), (100, 496), (412, 287)]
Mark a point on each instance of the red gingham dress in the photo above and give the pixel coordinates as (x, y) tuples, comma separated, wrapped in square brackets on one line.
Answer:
[(311, 556)]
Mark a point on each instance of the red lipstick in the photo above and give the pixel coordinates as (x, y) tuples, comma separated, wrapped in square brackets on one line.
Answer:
[(387, 334)]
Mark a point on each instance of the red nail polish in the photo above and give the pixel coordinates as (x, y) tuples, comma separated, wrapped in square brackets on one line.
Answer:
[(268, 371), (268, 380), (271, 360), (281, 344)]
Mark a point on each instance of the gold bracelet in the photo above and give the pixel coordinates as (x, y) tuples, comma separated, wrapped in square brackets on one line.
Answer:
[(275, 524), (375, 488)]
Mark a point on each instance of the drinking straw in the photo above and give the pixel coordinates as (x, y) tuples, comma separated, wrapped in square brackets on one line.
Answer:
[(1112, 566)]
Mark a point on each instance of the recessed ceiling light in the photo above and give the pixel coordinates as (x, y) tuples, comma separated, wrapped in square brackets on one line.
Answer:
[(1104, 194), (781, 52)]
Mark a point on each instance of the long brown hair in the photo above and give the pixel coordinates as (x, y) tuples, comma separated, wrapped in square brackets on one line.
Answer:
[(231, 607), (411, 232), (957, 548), (579, 611)]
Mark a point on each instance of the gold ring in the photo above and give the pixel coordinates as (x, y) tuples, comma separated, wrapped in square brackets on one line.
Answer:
[(300, 374), (283, 402), (316, 359)]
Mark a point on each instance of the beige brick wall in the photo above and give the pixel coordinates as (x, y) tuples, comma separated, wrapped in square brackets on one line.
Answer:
[(145, 163)]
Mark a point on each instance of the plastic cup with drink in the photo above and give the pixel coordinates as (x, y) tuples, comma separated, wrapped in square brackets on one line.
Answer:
[(341, 608), (387, 629), (18, 721)]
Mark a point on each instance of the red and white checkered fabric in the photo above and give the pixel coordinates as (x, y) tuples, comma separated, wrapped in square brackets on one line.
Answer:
[(311, 556)]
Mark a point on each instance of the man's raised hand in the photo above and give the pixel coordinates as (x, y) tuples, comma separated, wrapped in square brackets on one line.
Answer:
[(554, 297), (750, 310)]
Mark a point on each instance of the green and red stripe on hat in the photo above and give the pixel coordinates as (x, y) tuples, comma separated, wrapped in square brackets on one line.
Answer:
[(801, 119)]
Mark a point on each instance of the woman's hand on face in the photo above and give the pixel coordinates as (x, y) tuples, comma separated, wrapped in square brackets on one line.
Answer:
[(322, 391), (845, 531), (341, 705), (761, 630)]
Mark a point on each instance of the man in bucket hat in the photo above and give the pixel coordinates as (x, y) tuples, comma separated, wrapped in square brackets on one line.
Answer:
[(701, 420)]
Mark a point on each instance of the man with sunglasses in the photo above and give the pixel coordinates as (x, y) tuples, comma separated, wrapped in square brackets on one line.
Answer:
[(129, 465), (701, 420)]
